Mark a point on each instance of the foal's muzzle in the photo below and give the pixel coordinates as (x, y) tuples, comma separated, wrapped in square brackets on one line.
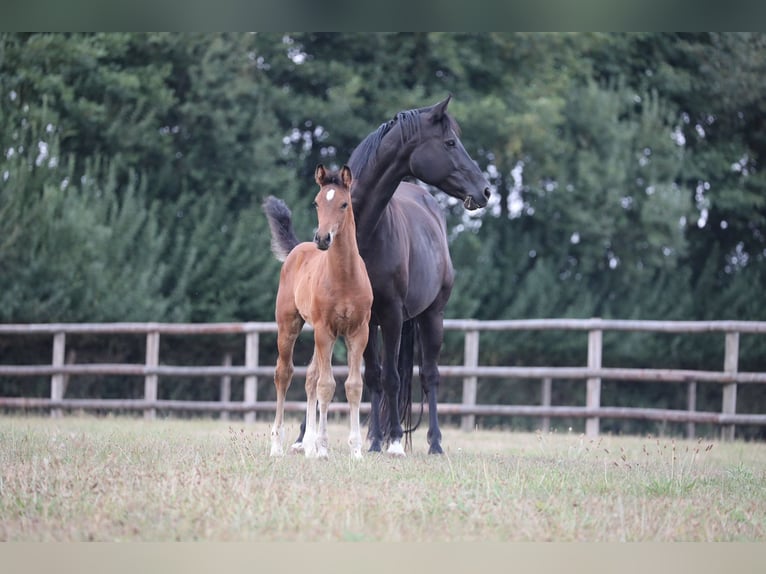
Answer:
[(323, 241)]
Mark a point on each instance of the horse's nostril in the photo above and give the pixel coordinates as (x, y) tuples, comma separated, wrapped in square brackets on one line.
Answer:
[(486, 193)]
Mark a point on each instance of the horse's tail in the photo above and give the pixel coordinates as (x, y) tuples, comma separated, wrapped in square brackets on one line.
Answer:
[(283, 238), (406, 363)]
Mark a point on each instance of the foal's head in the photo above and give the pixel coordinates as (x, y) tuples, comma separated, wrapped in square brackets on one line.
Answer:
[(333, 203)]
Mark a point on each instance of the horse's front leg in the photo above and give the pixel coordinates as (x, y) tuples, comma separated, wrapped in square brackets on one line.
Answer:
[(324, 389), (372, 382), (355, 343), (391, 329)]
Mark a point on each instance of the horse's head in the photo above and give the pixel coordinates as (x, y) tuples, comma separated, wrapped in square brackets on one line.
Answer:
[(333, 203), (441, 160)]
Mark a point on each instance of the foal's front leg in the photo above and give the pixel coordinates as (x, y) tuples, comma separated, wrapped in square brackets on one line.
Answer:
[(317, 442)]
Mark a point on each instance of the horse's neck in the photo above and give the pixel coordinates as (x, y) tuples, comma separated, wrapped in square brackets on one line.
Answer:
[(343, 255), (376, 185)]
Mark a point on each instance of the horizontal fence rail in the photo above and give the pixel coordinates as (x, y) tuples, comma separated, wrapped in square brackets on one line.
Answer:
[(593, 373)]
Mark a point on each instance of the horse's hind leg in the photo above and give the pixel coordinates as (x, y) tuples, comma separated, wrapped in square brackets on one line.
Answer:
[(287, 333), (431, 336), (297, 446), (356, 344)]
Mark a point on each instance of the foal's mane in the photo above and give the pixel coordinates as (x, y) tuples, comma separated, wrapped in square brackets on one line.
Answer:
[(365, 154)]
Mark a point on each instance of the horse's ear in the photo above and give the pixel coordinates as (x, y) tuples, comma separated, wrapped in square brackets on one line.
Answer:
[(441, 108), (345, 175), (319, 174)]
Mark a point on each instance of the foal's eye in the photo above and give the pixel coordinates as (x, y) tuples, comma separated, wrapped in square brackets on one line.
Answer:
[(450, 142), (344, 205)]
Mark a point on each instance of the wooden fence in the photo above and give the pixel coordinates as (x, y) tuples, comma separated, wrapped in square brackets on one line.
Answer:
[(593, 373)]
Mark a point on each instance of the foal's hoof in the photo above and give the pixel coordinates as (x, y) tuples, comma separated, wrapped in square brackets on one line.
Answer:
[(435, 448), (296, 448), (276, 451)]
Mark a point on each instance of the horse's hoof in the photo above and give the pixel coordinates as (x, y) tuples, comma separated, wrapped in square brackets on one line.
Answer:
[(356, 454), (375, 447), (396, 449), (435, 448), (296, 448)]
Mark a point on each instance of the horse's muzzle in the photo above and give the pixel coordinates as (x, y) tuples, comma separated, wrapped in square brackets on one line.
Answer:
[(471, 204)]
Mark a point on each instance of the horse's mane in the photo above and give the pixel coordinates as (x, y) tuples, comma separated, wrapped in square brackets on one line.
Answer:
[(365, 154)]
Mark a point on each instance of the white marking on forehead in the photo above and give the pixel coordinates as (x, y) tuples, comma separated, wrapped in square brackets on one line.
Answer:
[(330, 194)]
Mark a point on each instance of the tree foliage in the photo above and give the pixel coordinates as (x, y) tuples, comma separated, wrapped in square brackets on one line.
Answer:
[(626, 169)]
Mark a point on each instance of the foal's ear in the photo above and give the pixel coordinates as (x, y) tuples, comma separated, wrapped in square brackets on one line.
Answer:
[(319, 174), (345, 176)]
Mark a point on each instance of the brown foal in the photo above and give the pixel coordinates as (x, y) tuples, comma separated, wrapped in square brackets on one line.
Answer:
[(323, 283)]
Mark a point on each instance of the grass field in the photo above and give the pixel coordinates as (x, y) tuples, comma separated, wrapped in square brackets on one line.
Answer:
[(123, 479)]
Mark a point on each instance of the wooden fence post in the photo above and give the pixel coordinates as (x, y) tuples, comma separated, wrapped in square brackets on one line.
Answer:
[(226, 387), (251, 381), (730, 365), (593, 394), (150, 381), (57, 380), (471, 359), (545, 391), (691, 406)]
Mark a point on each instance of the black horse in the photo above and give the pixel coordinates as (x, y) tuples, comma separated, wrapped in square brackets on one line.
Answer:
[(402, 238)]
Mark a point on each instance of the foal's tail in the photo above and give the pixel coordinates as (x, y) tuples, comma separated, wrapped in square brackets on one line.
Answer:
[(283, 238)]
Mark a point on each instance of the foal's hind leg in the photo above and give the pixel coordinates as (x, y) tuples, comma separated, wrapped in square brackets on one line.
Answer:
[(288, 330), (308, 444)]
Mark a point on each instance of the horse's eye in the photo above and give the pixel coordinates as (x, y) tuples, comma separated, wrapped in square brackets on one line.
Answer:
[(344, 205), (450, 143), (314, 204)]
